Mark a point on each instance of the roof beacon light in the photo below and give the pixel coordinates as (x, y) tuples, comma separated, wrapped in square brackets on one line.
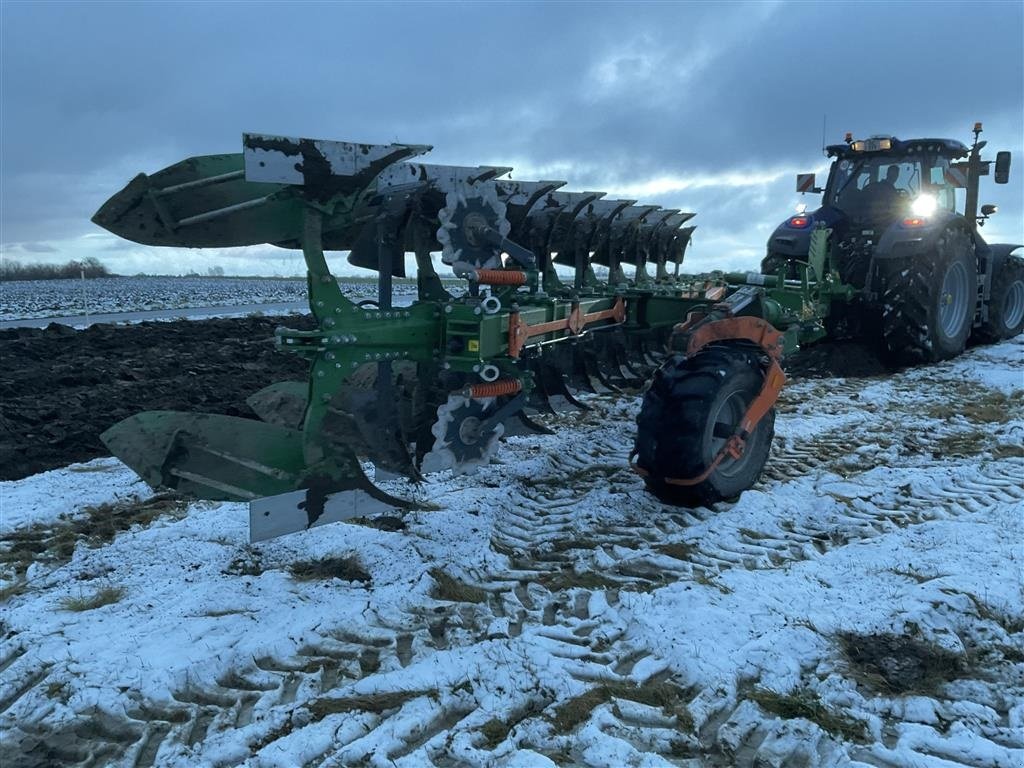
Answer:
[(924, 205)]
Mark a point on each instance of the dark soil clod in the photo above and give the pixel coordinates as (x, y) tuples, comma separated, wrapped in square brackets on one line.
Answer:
[(59, 391)]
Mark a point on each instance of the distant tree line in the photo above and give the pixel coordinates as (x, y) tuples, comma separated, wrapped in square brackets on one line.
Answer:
[(14, 270)]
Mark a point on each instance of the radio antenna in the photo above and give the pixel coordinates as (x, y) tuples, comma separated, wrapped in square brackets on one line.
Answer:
[(824, 120)]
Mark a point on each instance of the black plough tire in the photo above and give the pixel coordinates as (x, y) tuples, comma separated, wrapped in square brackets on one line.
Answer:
[(921, 320), (1006, 303), (676, 427)]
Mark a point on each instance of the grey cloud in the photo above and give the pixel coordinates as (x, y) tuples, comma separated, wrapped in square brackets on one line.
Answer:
[(613, 93)]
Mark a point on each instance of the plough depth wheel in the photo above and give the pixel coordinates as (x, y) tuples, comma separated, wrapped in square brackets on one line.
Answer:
[(692, 409)]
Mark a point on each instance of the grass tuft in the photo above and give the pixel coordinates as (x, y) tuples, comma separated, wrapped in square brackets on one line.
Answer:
[(964, 444), (494, 732), (710, 579), (805, 704), (557, 581), (899, 664), (1008, 452), (449, 588), (750, 533), (909, 573), (105, 596), (598, 473), (1012, 624), (664, 695), (368, 702), (12, 589), (56, 541), (387, 523), (581, 543), (576, 710), (978, 404), (502, 548), (346, 568), (679, 550)]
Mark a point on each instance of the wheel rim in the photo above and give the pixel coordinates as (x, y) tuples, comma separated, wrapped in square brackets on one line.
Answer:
[(1013, 305), (953, 300), (723, 424)]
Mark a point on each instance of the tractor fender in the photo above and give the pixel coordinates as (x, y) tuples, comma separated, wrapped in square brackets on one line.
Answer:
[(1000, 252), (790, 241), (903, 241), (990, 259)]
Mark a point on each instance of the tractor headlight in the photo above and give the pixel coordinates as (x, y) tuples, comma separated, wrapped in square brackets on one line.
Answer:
[(924, 205)]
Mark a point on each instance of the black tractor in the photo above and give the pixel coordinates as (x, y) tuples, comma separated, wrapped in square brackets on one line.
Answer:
[(904, 222)]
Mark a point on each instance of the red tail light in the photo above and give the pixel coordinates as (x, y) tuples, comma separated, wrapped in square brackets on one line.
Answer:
[(799, 222), (915, 221)]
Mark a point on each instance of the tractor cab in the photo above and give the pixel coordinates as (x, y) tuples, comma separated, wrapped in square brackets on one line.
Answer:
[(888, 196), (876, 182)]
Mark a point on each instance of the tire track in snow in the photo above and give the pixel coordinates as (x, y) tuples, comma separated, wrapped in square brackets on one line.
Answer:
[(539, 531), (574, 537), (543, 522), (243, 697)]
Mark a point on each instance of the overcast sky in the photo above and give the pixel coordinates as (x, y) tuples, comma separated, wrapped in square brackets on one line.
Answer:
[(708, 107)]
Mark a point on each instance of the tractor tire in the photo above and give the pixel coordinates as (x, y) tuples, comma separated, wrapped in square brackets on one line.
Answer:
[(691, 408), (928, 303), (1006, 305)]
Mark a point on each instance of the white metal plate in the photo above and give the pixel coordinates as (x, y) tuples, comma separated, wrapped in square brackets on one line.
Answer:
[(286, 160), (274, 516)]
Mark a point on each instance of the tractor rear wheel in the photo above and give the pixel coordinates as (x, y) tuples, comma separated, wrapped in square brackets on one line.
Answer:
[(928, 303), (690, 410), (1006, 305)]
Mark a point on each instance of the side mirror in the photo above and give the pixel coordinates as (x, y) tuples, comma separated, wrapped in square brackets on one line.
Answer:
[(1002, 167), (805, 183), (988, 210)]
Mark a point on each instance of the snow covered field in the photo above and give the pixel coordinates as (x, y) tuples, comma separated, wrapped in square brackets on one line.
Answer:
[(54, 298), (864, 605)]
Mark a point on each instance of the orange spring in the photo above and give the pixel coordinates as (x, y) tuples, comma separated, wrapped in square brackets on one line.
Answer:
[(500, 277), (496, 388)]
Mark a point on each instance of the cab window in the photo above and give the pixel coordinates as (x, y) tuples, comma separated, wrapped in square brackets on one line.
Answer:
[(942, 184)]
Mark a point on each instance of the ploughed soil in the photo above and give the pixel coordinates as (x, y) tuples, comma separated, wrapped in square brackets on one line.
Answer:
[(60, 388)]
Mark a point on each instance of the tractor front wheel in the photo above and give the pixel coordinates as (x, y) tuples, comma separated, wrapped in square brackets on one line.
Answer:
[(690, 410)]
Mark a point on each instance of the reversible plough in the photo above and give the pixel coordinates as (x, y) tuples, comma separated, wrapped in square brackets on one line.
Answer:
[(435, 384)]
